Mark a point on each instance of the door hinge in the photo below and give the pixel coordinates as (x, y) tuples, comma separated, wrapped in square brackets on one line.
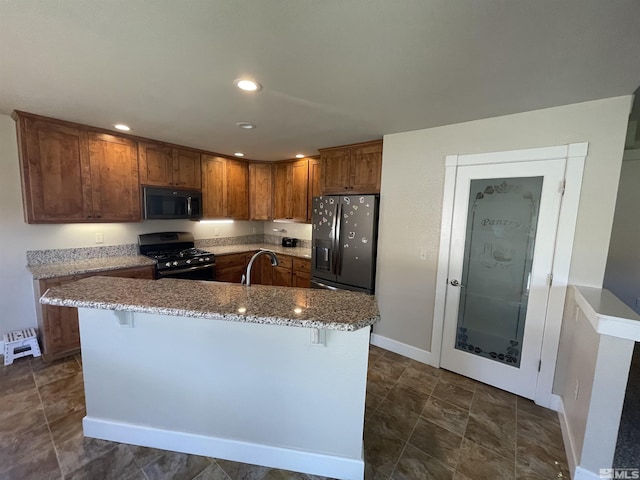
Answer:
[(550, 279), (539, 364), (563, 186)]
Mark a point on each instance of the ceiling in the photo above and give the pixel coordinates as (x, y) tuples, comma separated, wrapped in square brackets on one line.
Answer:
[(333, 71)]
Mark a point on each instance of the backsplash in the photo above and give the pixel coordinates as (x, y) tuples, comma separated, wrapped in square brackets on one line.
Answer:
[(43, 257)]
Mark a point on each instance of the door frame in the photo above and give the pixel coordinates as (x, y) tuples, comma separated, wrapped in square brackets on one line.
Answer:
[(575, 155)]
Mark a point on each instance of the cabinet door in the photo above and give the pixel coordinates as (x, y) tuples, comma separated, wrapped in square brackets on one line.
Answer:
[(299, 190), (301, 272), (214, 191), (335, 171), (281, 276), (156, 165), (186, 169), (260, 191), (55, 172), (237, 190), (366, 168), (229, 268), (282, 191), (59, 328), (115, 191), (314, 185)]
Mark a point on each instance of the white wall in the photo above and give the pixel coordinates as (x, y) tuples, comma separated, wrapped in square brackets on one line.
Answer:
[(412, 189), (17, 308), (622, 276)]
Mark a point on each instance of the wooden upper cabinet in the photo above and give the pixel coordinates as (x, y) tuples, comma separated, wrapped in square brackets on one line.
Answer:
[(214, 192), (260, 191), (352, 169), (165, 166), (54, 164), (237, 190), (291, 184), (225, 188), (115, 188), (73, 174), (186, 169)]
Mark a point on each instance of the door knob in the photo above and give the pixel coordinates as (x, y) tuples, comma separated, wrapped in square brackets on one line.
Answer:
[(455, 283)]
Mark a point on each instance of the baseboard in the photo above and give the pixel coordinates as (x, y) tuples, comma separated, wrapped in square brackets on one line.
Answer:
[(234, 450), (401, 348), (582, 474), (569, 449), (555, 403)]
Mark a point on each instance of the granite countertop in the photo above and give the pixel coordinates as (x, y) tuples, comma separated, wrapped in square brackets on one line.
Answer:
[(298, 307), (229, 249), (89, 265)]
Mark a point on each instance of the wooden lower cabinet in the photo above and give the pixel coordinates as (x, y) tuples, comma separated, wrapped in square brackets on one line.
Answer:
[(290, 271), (301, 273), (59, 333)]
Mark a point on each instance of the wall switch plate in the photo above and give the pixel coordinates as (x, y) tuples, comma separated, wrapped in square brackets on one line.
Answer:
[(99, 237), (423, 254)]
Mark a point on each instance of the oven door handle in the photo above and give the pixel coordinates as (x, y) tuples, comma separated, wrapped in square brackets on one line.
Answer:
[(168, 273)]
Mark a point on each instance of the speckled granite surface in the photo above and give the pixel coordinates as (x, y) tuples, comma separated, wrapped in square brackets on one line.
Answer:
[(42, 257), (225, 250), (91, 265), (299, 307)]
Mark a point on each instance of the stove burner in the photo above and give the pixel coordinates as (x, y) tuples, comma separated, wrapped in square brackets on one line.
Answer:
[(174, 251)]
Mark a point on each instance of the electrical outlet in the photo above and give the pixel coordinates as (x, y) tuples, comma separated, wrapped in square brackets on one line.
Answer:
[(576, 390), (216, 232), (254, 230), (99, 237), (423, 254)]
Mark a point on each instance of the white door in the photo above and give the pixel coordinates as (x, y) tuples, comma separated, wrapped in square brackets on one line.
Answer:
[(503, 233)]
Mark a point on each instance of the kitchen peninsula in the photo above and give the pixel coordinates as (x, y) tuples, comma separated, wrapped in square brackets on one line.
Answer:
[(265, 375)]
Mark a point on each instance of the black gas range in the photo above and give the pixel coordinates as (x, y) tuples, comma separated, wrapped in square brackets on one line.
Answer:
[(176, 256)]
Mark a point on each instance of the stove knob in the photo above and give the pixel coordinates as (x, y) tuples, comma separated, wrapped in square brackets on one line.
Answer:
[(201, 259), (168, 264), (175, 264), (206, 259), (188, 262)]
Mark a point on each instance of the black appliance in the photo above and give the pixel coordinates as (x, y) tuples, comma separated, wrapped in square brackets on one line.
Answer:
[(176, 256), (171, 203), (289, 242), (344, 240)]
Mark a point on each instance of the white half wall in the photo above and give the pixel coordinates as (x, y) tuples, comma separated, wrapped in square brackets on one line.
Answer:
[(412, 190)]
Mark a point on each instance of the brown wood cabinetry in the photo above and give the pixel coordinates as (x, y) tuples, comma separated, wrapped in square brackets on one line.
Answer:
[(58, 326), (230, 267), (352, 169), (74, 174), (301, 272), (115, 191), (225, 188), (291, 187), (260, 191), (166, 166)]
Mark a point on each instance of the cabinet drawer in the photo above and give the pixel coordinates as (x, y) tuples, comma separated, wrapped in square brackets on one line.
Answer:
[(285, 261), (231, 260), (302, 265)]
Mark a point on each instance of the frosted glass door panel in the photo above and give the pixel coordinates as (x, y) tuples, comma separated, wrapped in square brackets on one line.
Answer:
[(500, 241)]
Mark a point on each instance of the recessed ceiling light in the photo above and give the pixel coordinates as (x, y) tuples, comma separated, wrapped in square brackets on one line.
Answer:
[(122, 126), (247, 85), (239, 154), (300, 155), (246, 125)]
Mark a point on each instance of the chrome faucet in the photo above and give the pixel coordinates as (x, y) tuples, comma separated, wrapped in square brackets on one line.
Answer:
[(274, 262)]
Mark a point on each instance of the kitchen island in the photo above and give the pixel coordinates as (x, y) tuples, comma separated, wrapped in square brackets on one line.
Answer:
[(266, 375)]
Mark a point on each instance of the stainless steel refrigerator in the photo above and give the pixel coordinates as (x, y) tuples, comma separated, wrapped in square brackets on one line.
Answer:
[(344, 239)]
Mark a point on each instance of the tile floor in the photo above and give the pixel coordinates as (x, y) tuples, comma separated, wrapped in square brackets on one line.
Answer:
[(420, 424)]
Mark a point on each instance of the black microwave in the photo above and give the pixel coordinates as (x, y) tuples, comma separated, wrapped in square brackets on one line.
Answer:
[(169, 203)]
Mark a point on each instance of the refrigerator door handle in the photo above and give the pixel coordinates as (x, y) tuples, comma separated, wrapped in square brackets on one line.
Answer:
[(337, 248), (333, 243)]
